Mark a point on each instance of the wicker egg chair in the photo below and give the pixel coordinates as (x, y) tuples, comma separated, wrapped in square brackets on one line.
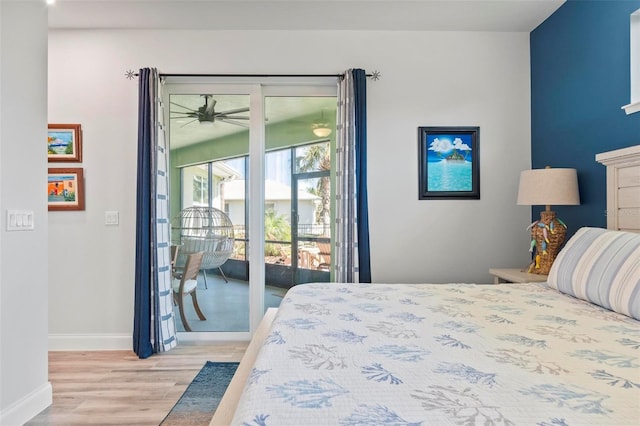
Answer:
[(203, 229)]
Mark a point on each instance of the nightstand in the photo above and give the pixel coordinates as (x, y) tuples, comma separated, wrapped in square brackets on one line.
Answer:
[(515, 276)]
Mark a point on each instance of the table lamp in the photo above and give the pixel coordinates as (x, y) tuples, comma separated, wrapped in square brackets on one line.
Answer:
[(547, 187)]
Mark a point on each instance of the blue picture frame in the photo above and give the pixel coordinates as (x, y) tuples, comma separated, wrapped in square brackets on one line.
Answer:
[(449, 165)]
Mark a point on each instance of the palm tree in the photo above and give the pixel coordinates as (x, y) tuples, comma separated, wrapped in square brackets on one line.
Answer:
[(318, 157), (276, 228)]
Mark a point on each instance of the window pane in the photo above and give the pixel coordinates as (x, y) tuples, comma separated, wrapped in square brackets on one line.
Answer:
[(313, 158), (295, 120), (209, 120), (228, 193), (195, 186), (314, 208)]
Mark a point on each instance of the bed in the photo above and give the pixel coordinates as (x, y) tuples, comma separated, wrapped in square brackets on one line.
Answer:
[(565, 352)]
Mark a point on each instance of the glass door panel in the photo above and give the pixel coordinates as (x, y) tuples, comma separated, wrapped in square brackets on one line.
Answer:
[(312, 231), (277, 226), (299, 134), (209, 147)]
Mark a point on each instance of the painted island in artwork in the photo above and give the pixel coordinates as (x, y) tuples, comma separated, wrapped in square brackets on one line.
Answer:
[(449, 162)]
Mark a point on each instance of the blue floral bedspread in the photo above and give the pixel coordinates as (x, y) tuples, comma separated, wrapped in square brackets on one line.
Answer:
[(433, 354)]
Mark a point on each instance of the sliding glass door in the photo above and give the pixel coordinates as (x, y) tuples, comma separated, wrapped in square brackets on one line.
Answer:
[(247, 152)]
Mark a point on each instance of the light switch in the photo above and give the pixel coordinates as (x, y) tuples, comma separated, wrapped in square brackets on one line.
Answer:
[(20, 220), (111, 218)]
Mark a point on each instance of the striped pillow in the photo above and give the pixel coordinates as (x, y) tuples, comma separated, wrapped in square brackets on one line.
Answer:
[(600, 266)]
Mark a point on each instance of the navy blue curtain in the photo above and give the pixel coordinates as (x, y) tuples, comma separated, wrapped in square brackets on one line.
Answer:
[(364, 252), (142, 344)]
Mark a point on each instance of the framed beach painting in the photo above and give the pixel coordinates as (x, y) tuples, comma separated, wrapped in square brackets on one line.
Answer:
[(449, 163), (64, 143), (65, 189)]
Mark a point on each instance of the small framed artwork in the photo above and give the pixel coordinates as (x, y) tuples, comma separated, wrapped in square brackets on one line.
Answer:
[(449, 163), (65, 189), (64, 143)]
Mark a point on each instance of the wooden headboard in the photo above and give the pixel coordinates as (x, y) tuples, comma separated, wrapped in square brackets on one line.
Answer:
[(623, 188)]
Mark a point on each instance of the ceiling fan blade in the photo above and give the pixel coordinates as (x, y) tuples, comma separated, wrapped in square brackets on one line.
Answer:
[(184, 114), (185, 124), (237, 123), (234, 111), (226, 117), (210, 104), (181, 106)]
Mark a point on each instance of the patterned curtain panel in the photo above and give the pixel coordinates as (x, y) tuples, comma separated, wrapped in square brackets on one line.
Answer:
[(154, 324), (352, 255)]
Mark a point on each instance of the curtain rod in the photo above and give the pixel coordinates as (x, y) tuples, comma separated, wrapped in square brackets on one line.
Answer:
[(130, 74)]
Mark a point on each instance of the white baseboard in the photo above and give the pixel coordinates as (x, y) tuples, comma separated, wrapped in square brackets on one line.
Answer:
[(90, 342), (27, 407)]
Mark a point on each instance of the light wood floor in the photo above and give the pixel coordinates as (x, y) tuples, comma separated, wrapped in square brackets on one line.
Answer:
[(117, 388)]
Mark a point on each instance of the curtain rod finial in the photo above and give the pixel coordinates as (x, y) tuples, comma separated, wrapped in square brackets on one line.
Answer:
[(130, 74), (375, 75)]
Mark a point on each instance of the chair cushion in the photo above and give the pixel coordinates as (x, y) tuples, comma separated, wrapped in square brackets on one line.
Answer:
[(600, 266), (189, 285)]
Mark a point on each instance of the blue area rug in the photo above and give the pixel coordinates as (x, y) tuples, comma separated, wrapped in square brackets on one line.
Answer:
[(201, 398)]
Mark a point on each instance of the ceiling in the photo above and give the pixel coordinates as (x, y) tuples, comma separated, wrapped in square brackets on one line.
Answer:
[(418, 15)]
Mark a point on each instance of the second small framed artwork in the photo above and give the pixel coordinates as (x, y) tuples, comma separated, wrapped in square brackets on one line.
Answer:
[(65, 189), (449, 162), (64, 143)]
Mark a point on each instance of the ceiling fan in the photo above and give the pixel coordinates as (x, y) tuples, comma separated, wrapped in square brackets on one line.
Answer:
[(206, 114)]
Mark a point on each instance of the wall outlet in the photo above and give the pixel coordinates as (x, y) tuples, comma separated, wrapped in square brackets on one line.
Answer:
[(111, 218)]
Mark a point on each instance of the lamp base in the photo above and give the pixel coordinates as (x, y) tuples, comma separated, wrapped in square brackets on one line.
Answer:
[(549, 234)]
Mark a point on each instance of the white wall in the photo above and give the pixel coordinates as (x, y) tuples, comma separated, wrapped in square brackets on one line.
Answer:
[(428, 78), (24, 389)]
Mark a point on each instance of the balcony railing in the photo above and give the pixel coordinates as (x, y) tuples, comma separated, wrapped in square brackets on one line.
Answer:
[(310, 255), (313, 230)]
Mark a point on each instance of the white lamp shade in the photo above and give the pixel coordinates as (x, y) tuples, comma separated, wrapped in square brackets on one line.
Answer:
[(549, 187)]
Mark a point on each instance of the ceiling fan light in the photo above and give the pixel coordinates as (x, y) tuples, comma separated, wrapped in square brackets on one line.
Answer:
[(320, 127), (322, 132), (206, 122)]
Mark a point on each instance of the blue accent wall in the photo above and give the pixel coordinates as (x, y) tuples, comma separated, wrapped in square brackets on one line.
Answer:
[(580, 77)]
